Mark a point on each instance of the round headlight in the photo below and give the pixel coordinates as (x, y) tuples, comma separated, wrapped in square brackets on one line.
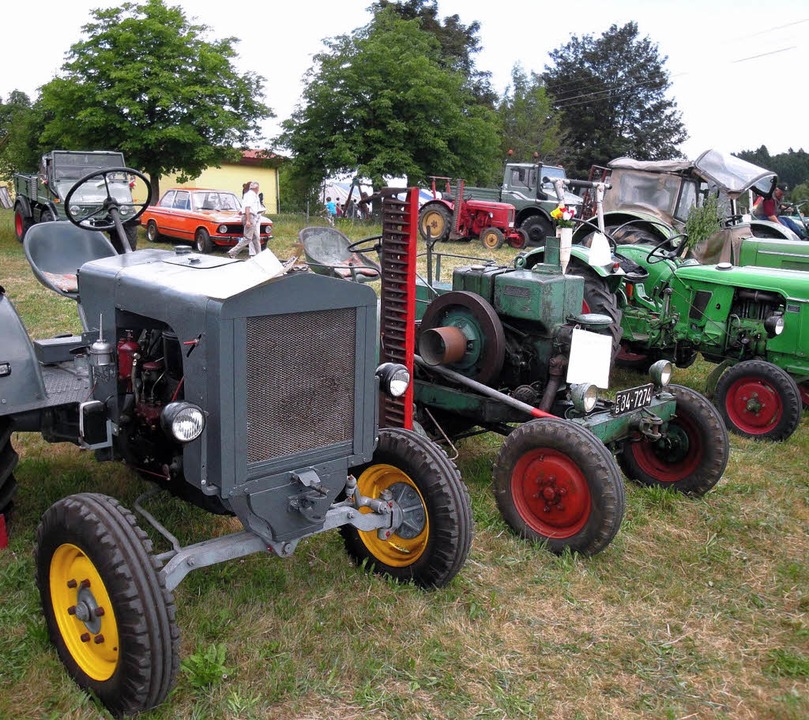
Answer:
[(584, 396), (774, 325), (183, 421), (222, 229), (394, 379), (661, 372), (75, 211), (124, 210)]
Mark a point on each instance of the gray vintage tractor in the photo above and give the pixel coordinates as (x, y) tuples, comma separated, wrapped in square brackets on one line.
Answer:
[(195, 370)]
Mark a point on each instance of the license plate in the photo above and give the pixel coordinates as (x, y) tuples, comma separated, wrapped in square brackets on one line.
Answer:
[(632, 399)]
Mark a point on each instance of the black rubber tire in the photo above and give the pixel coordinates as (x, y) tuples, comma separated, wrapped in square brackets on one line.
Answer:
[(691, 458), (437, 218), (202, 241), (537, 228), (22, 222), (152, 233), (598, 298), (132, 234), (8, 461), (93, 537), (633, 235), (555, 482), (46, 216), (435, 555), (772, 388), (492, 238)]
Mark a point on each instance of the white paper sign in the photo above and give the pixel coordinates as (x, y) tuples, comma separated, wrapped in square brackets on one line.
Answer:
[(590, 355)]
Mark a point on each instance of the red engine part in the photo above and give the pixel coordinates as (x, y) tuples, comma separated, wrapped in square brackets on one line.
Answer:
[(127, 348)]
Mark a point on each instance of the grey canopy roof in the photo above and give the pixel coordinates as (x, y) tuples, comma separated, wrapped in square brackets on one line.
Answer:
[(731, 175)]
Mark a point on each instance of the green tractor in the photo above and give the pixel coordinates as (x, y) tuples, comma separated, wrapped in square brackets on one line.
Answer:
[(520, 352), (678, 300)]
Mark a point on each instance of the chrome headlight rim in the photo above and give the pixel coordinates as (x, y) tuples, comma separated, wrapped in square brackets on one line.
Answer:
[(661, 372), (584, 396), (394, 379), (183, 421), (774, 325)]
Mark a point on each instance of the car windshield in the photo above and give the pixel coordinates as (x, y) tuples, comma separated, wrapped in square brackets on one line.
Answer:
[(216, 200)]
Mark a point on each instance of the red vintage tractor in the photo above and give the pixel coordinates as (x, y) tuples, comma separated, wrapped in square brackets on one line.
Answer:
[(448, 216)]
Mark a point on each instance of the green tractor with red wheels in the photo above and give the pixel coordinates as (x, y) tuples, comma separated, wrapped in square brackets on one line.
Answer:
[(679, 298)]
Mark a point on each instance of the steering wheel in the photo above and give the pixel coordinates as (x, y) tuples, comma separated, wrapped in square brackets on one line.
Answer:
[(366, 245), (104, 216), (659, 253)]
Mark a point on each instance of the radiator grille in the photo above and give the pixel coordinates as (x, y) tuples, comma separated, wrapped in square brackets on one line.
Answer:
[(300, 377)]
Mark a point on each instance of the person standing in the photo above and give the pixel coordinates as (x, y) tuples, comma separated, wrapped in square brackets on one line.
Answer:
[(251, 217)]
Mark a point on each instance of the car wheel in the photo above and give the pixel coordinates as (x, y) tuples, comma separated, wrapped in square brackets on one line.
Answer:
[(434, 222), (152, 233), (202, 241), (555, 482)]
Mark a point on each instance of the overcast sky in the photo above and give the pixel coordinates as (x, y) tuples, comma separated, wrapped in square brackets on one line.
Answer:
[(736, 66)]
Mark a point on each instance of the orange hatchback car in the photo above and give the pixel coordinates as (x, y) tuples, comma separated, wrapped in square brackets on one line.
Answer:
[(206, 218)]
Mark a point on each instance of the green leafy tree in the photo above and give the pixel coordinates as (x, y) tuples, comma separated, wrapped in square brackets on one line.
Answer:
[(19, 130), (458, 42), (382, 102), (145, 81), (531, 126), (612, 92)]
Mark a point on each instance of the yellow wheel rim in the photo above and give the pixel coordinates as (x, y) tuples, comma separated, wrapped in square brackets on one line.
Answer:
[(83, 612), (409, 541)]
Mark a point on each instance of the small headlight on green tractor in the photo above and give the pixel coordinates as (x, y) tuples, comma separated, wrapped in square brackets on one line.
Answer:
[(584, 396), (394, 379), (661, 373), (183, 421), (774, 325)]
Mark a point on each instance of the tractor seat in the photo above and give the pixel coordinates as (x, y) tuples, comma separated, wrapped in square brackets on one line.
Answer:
[(634, 273), (327, 253), (56, 250)]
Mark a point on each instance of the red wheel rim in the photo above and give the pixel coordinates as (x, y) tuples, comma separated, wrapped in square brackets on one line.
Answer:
[(753, 406), (674, 457), (804, 390), (550, 493)]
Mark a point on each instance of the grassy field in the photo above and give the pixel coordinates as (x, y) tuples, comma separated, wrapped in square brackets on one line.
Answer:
[(698, 609)]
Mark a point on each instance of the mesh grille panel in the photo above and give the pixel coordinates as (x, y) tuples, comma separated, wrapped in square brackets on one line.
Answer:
[(300, 378)]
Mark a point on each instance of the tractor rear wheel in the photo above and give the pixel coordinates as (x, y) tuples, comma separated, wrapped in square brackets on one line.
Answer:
[(8, 461), (431, 544), (556, 482), (598, 298), (692, 454), (105, 603), (492, 238), (759, 400), (435, 220)]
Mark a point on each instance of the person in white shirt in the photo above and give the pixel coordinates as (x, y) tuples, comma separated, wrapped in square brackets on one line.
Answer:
[(252, 210)]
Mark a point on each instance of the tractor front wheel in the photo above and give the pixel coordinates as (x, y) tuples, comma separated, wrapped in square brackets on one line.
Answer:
[(556, 482), (759, 400), (492, 238), (692, 454), (105, 604), (431, 544)]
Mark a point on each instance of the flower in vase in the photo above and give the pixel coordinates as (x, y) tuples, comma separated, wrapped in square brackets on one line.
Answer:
[(563, 215)]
